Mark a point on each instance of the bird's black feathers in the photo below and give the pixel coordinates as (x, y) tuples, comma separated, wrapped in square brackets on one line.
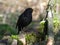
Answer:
[(24, 19)]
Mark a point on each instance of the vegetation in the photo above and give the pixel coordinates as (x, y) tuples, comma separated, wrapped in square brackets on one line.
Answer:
[(5, 28), (13, 10), (30, 38)]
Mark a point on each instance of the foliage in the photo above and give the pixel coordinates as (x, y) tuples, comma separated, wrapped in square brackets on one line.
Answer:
[(4, 28), (56, 23), (14, 37), (19, 42), (1, 36), (41, 28), (30, 38), (41, 35)]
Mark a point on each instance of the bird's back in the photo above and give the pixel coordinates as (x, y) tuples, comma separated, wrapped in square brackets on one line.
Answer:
[(25, 19)]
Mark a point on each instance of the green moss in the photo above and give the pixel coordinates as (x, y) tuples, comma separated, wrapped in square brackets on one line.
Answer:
[(30, 37), (41, 26), (14, 37), (56, 23), (19, 42)]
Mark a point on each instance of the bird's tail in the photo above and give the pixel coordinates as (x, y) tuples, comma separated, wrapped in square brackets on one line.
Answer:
[(16, 25), (19, 29)]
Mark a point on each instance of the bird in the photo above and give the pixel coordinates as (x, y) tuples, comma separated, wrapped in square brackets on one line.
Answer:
[(24, 19)]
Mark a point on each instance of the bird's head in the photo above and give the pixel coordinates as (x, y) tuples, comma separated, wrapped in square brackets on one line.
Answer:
[(30, 10)]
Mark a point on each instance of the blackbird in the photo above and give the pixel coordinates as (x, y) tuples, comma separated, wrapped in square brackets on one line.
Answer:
[(24, 19)]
